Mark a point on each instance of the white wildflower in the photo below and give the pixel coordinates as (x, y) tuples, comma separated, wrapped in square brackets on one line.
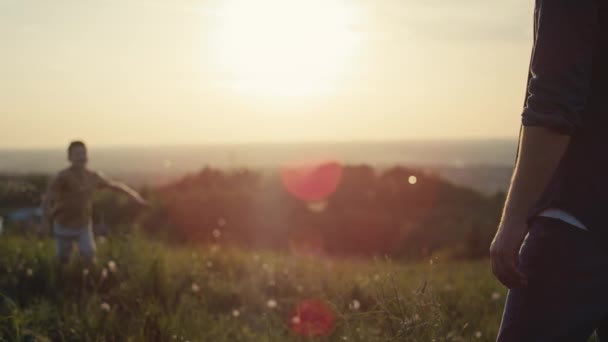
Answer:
[(112, 266), (29, 272), (105, 307), (195, 288), (236, 313), (271, 303), (354, 305)]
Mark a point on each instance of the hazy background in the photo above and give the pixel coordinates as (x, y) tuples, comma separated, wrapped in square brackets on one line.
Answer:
[(154, 72)]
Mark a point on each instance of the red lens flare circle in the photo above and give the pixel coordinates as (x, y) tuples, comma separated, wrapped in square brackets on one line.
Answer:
[(312, 181), (312, 318)]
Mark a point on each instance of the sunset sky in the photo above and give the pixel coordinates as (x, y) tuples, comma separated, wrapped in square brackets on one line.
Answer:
[(142, 72)]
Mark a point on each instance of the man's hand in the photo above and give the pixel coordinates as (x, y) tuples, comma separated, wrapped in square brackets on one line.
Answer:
[(504, 252)]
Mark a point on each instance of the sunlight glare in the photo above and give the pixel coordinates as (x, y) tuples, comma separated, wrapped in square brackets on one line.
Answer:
[(285, 47)]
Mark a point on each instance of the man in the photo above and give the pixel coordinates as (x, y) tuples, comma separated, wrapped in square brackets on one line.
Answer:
[(68, 204), (558, 278)]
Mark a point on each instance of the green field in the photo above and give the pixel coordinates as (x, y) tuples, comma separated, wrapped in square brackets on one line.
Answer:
[(143, 290)]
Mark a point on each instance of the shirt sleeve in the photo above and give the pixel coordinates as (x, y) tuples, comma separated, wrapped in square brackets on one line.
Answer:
[(565, 34), (102, 180)]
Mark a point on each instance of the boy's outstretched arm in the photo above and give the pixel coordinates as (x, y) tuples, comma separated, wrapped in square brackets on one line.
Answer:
[(122, 188)]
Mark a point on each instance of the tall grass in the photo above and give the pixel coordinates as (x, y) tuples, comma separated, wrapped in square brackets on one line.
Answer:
[(143, 290)]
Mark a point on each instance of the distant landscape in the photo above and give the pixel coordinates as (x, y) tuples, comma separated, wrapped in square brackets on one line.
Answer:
[(484, 165)]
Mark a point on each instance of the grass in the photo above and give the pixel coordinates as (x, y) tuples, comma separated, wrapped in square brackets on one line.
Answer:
[(158, 292)]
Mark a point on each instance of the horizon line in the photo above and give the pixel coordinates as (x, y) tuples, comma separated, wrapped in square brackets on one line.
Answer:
[(266, 143)]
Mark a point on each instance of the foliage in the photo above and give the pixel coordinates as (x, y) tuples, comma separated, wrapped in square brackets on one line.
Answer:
[(153, 292), (371, 212)]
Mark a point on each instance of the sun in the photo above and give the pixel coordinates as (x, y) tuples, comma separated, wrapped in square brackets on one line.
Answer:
[(285, 47)]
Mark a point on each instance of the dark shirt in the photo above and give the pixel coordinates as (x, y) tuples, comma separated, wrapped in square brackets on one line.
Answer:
[(568, 92)]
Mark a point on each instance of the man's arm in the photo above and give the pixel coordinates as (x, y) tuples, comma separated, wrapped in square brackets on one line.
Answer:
[(540, 152), (558, 89), (122, 188)]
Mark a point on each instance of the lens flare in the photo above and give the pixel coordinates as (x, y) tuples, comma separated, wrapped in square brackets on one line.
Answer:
[(312, 181), (312, 318)]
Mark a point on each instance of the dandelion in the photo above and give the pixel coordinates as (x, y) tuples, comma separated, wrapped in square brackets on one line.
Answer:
[(29, 272), (236, 313), (271, 303), (104, 273), (112, 266), (495, 296), (478, 334), (195, 288), (216, 233), (105, 307), (85, 272), (354, 305), (412, 180)]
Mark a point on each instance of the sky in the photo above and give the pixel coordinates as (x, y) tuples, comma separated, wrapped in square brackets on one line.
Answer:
[(171, 72)]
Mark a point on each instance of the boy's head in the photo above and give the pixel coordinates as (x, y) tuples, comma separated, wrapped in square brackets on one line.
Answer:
[(77, 154)]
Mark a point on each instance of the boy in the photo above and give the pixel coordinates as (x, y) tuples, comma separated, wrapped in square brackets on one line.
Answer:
[(68, 204)]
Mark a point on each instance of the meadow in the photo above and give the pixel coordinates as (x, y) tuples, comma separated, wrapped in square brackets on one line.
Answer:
[(146, 290)]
